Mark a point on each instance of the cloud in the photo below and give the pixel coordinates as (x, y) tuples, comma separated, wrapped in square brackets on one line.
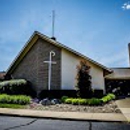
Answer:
[(126, 6)]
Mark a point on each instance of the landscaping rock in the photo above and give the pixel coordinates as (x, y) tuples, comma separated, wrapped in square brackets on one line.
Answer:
[(45, 101), (55, 101), (35, 100), (110, 107), (117, 110)]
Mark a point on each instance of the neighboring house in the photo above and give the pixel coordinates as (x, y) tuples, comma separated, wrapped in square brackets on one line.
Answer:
[(32, 63)]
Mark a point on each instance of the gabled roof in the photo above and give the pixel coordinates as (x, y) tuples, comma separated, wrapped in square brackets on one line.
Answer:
[(36, 35)]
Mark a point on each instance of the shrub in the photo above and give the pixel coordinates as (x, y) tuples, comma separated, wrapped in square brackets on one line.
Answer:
[(14, 99), (16, 106), (112, 96), (75, 101), (64, 98), (84, 88), (79, 101), (68, 101), (94, 101), (16, 86), (108, 98), (83, 101)]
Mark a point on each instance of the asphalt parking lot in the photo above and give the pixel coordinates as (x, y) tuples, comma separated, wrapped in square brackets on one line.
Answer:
[(24, 123)]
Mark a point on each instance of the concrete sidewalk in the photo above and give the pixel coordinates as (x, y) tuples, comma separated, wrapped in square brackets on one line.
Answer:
[(65, 115), (124, 106)]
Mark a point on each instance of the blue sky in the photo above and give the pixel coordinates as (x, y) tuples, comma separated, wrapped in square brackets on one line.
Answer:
[(99, 29)]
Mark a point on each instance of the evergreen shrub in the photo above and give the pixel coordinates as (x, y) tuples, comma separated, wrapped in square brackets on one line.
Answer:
[(16, 87), (84, 88)]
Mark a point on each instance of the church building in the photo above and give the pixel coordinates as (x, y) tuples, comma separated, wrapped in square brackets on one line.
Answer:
[(50, 65)]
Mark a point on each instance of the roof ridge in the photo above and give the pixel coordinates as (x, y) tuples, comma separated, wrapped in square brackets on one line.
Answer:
[(37, 34), (73, 51)]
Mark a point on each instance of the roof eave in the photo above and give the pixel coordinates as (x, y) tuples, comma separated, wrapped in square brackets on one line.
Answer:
[(71, 50), (34, 37), (14, 63)]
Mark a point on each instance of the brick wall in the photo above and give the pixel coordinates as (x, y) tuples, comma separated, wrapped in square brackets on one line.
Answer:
[(33, 68)]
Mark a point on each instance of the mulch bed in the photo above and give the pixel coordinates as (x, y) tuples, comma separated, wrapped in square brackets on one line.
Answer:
[(110, 107)]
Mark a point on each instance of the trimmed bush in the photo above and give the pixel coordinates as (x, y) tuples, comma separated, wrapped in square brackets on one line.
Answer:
[(78, 101), (108, 98), (75, 101), (16, 86), (16, 106), (105, 99), (64, 98), (94, 101), (68, 101), (83, 101), (14, 99), (112, 96), (91, 102)]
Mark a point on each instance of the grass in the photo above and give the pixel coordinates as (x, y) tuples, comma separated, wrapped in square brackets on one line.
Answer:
[(15, 106)]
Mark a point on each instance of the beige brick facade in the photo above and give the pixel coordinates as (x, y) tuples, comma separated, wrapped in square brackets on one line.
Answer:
[(33, 68)]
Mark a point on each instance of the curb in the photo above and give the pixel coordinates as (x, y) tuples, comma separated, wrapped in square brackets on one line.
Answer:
[(59, 118), (62, 116)]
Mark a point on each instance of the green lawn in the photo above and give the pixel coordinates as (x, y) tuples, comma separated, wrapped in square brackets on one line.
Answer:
[(16, 106)]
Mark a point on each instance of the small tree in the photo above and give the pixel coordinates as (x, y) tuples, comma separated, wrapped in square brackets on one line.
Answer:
[(83, 77)]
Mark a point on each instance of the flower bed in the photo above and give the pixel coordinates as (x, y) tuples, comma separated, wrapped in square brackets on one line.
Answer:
[(94, 105), (110, 107)]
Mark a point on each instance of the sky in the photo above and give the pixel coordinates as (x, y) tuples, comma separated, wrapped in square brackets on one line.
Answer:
[(99, 29)]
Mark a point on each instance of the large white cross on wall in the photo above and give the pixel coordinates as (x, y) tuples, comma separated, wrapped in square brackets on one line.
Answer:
[(50, 62)]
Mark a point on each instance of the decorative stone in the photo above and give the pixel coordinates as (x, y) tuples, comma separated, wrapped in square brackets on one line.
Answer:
[(117, 110), (103, 110), (45, 101), (55, 101), (35, 100)]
